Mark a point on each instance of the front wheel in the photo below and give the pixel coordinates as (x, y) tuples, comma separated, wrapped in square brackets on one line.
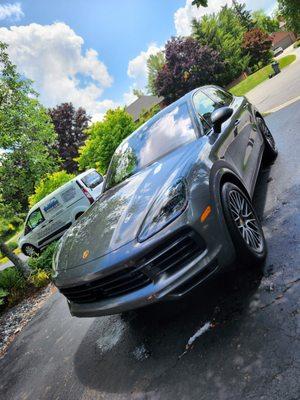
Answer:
[(271, 151), (29, 250), (244, 226)]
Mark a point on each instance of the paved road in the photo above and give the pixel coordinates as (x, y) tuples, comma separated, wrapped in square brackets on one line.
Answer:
[(280, 89), (252, 352), (9, 263)]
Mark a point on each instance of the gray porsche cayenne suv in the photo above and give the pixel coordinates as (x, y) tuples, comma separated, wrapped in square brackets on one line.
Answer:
[(176, 208)]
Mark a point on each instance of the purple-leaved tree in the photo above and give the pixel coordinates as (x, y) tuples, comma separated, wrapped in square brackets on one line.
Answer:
[(188, 65)]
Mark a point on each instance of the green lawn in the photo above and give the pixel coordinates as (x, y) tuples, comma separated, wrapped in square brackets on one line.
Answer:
[(259, 76)]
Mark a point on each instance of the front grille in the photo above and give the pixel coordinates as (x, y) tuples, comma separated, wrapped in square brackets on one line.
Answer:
[(168, 258), (125, 281)]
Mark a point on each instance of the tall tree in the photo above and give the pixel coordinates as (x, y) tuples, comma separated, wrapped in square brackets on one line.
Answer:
[(188, 65), (70, 125), (26, 139), (103, 139), (154, 64), (200, 3), (265, 22), (224, 33), (257, 44), (243, 15), (290, 11)]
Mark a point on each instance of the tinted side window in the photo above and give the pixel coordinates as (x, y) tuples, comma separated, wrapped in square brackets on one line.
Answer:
[(68, 194), (220, 96), (204, 106)]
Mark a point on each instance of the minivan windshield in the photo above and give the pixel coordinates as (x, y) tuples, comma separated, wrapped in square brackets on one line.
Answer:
[(157, 137)]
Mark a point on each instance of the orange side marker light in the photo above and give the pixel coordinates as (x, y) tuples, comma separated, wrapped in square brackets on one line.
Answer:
[(205, 213)]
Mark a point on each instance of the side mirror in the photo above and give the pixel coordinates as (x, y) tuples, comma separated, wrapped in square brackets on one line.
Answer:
[(219, 116)]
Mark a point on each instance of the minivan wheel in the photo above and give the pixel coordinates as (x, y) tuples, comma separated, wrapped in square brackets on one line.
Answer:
[(244, 226), (29, 250), (271, 151)]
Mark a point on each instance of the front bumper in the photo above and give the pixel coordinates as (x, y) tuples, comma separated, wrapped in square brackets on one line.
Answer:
[(218, 252), (171, 288)]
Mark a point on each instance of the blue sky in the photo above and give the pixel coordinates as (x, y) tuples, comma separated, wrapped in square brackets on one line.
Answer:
[(93, 52)]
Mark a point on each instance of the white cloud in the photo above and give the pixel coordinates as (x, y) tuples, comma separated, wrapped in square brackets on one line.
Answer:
[(129, 97), (52, 56), (11, 10), (137, 67), (184, 15)]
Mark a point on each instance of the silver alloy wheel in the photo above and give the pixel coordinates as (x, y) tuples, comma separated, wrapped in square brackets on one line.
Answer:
[(267, 134), (245, 220), (30, 251)]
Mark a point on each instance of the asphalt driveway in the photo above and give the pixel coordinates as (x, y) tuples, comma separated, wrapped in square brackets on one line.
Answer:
[(251, 351)]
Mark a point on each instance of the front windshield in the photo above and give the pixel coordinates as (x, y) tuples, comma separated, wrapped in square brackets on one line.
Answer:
[(157, 137)]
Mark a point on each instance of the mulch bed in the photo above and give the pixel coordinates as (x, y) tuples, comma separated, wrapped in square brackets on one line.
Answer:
[(14, 319)]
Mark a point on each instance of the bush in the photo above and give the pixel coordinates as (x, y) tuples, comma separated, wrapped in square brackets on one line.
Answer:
[(48, 184), (40, 278), (297, 44), (12, 245), (11, 281), (10, 278), (44, 261), (3, 295)]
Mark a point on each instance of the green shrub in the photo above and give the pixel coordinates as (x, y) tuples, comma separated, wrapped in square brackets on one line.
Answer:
[(297, 44), (12, 245), (3, 295), (10, 278), (44, 261), (12, 282), (48, 184), (40, 278)]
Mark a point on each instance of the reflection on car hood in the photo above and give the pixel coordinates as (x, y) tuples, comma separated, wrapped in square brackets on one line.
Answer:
[(115, 219)]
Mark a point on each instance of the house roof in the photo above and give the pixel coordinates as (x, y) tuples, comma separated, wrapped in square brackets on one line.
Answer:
[(141, 104), (280, 35)]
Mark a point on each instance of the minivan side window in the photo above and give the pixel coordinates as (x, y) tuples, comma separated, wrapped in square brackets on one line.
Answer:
[(205, 106), (34, 219), (92, 179)]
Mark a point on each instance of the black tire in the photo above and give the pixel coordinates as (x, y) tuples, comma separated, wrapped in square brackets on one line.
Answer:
[(78, 215), (271, 151), (30, 251), (244, 226)]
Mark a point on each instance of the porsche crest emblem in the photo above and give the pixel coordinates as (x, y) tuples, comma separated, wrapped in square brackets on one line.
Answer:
[(85, 254)]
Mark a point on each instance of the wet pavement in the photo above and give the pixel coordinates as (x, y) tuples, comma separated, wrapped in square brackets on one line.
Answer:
[(248, 347)]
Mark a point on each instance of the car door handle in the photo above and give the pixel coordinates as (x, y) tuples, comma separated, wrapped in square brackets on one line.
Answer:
[(236, 122)]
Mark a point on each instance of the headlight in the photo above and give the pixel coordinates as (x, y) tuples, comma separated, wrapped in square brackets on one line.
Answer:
[(168, 206)]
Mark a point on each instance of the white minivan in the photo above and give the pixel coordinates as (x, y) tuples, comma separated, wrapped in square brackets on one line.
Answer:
[(54, 214)]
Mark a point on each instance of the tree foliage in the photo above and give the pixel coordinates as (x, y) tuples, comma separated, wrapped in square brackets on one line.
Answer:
[(155, 64), (200, 3), (257, 44), (103, 139), (243, 15), (70, 125), (224, 33), (188, 65), (290, 11), (26, 137), (265, 22), (48, 184)]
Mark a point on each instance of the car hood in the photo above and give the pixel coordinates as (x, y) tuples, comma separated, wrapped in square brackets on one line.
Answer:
[(115, 219)]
